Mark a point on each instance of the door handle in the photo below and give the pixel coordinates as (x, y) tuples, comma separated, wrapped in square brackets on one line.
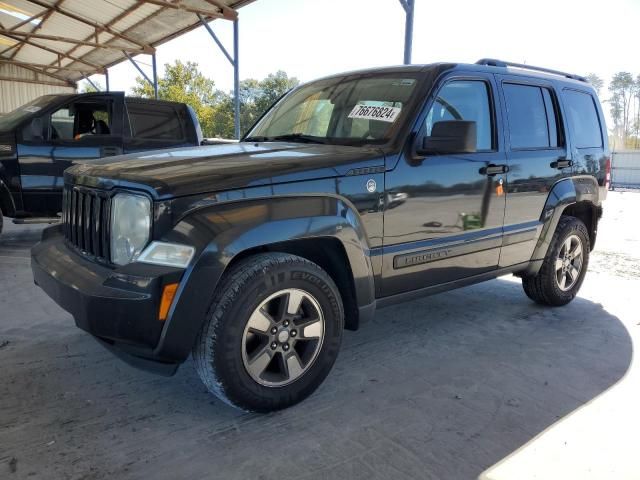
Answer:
[(491, 170), (110, 151), (561, 163)]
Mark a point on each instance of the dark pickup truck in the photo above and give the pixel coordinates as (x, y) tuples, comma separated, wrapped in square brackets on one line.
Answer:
[(352, 193), (41, 139)]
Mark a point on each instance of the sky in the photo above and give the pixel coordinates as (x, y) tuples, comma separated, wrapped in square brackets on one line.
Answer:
[(312, 38)]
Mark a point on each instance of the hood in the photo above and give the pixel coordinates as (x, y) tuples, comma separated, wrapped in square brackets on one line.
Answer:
[(196, 170)]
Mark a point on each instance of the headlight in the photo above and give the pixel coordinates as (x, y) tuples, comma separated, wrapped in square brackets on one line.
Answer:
[(168, 254), (130, 225)]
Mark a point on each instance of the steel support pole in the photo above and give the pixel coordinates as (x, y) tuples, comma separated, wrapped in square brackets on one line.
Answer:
[(91, 83), (106, 79), (135, 64), (155, 75), (408, 29), (236, 80)]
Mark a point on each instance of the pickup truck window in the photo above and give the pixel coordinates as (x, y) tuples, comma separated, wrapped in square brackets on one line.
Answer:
[(158, 122), (80, 120), (365, 109)]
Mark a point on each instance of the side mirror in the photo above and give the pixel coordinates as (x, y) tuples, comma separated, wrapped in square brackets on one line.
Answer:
[(451, 136)]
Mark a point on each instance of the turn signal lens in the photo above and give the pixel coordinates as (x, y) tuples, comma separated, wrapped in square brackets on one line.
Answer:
[(168, 293)]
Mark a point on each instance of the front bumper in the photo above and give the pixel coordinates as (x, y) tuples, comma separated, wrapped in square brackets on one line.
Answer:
[(119, 306)]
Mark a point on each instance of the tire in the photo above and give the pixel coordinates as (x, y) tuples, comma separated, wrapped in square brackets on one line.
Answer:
[(547, 288), (247, 309), (1, 221)]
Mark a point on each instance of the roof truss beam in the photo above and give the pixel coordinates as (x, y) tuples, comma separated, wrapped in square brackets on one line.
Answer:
[(97, 68), (98, 27), (44, 67), (38, 82), (73, 41), (186, 8), (44, 18)]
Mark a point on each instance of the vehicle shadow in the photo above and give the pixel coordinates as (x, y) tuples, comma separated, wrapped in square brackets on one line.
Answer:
[(442, 387)]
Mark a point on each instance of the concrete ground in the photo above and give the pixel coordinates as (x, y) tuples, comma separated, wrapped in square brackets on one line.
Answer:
[(478, 382)]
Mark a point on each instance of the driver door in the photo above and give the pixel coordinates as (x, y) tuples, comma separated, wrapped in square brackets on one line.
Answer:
[(444, 213), (87, 128)]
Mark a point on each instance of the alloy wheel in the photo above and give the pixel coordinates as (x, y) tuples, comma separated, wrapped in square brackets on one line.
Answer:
[(569, 263), (282, 337)]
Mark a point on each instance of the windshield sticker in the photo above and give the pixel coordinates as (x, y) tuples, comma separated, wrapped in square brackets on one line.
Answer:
[(405, 82), (368, 112), (32, 109)]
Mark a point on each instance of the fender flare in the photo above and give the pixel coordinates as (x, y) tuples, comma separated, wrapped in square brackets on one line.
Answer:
[(564, 193), (221, 232)]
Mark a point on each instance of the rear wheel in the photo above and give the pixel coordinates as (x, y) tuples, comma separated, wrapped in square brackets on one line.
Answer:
[(563, 268), (273, 333)]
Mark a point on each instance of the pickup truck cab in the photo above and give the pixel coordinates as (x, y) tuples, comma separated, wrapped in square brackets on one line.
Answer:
[(352, 193), (41, 139)]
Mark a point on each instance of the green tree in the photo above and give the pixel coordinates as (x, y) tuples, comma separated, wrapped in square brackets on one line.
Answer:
[(272, 88), (256, 96), (596, 81), (88, 88), (183, 82), (621, 89)]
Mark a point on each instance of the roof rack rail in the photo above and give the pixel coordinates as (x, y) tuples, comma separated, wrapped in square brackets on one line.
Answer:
[(492, 62)]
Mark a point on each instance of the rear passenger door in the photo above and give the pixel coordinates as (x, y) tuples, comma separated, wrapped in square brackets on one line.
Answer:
[(537, 156), (155, 125)]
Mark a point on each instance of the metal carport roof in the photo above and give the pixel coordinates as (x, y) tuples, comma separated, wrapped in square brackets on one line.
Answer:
[(62, 41), (58, 42)]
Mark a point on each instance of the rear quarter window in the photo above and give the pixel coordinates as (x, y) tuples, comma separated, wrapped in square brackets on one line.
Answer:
[(583, 119), (161, 122)]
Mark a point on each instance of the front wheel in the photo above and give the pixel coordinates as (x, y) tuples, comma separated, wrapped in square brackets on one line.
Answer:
[(564, 267), (272, 334)]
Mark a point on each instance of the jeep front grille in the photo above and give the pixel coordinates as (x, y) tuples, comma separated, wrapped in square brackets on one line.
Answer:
[(85, 216)]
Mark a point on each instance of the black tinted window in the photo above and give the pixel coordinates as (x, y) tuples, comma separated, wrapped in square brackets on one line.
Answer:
[(583, 118), (549, 105), (160, 122), (529, 124), (464, 100)]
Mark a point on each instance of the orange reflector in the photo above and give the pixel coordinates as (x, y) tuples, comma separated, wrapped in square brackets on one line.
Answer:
[(168, 292)]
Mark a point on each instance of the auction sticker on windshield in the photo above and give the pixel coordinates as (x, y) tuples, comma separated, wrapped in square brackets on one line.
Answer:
[(369, 112)]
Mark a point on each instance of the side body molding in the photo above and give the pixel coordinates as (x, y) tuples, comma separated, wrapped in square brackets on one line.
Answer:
[(220, 232), (564, 193)]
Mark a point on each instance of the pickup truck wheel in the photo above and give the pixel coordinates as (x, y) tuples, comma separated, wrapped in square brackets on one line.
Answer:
[(564, 267), (272, 334)]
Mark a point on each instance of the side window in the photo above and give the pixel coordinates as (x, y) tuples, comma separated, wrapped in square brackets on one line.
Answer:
[(583, 118), (62, 124), (80, 120), (160, 122), (532, 117), (464, 100)]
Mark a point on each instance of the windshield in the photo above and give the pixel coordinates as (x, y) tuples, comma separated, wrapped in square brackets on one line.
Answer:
[(12, 119), (344, 110)]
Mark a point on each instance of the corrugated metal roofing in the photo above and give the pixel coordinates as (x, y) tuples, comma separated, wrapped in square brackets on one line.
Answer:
[(14, 94), (60, 41)]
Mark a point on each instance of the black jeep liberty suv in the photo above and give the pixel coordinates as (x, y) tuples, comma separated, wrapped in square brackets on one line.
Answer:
[(351, 193)]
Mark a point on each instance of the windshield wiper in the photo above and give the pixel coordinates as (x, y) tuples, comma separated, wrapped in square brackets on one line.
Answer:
[(289, 137)]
